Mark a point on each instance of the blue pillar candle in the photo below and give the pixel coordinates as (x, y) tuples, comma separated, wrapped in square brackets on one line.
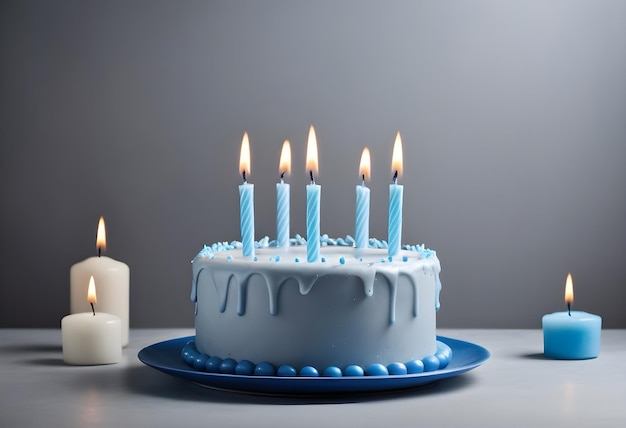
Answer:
[(394, 231), (313, 192), (282, 198), (246, 200), (362, 216), (571, 335)]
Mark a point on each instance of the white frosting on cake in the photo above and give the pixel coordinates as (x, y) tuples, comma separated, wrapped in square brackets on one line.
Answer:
[(352, 307)]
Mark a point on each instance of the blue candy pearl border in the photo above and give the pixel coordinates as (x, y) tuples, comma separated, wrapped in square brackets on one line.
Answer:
[(215, 364)]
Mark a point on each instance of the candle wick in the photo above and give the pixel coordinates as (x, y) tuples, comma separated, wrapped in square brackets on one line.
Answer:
[(312, 179), (282, 176), (99, 251), (395, 177), (92, 309), (569, 309), (363, 180), (244, 176)]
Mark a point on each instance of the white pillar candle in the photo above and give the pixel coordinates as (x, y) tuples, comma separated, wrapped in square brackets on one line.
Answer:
[(91, 338), (113, 279)]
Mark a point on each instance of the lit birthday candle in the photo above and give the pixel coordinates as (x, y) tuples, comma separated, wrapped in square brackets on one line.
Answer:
[(246, 200), (113, 278), (362, 217), (282, 197), (313, 192), (395, 200), (91, 338), (571, 335)]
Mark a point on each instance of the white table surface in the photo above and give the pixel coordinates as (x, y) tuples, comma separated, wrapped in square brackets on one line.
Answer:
[(515, 387)]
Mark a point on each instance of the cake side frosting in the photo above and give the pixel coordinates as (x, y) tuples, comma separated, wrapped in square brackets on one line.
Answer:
[(363, 263), (351, 307)]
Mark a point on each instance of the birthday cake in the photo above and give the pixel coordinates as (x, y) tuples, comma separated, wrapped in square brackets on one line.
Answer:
[(354, 312)]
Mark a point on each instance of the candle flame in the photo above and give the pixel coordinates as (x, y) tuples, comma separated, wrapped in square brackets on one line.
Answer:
[(311, 153), (91, 292), (101, 236), (396, 158), (365, 165), (569, 289), (244, 156), (284, 166)]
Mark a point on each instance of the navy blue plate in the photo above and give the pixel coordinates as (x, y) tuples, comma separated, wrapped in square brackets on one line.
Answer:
[(165, 356)]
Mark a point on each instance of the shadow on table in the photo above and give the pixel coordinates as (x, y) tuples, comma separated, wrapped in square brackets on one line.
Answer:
[(534, 356), (30, 348), (147, 381), (45, 351)]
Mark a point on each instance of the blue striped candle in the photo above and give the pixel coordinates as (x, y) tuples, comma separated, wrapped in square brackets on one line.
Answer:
[(246, 205), (395, 219), (362, 222), (282, 214), (282, 197), (313, 192), (246, 200), (362, 217), (394, 231)]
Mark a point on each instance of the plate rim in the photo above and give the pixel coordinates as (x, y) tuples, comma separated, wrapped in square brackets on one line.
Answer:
[(299, 385)]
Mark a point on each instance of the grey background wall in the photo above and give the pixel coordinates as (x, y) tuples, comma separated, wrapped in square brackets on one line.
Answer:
[(512, 115)]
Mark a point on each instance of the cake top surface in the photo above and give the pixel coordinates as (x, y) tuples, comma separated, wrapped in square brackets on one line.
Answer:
[(330, 246)]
